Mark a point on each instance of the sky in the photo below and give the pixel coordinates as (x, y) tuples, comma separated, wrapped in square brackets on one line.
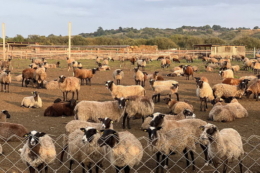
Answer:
[(45, 17)]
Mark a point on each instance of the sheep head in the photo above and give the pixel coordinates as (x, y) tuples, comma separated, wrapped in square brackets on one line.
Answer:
[(62, 78), (89, 132), (33, 137), (6, 113), (208, 131), (157, 120), (109, 137)]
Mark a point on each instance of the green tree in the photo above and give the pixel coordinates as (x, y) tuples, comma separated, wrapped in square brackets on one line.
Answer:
[(18, 38), (247, 41), (162, 43)]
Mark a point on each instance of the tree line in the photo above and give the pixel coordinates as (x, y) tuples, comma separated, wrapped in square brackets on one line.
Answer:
[(184, 37)]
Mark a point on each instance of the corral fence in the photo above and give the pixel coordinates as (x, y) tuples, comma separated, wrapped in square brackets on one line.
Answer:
[(10, 160)]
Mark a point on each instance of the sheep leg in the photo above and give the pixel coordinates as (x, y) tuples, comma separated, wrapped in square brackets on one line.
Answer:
[(89, 81), (73, 93), (46, 169), (225, 166), (158, 155), (240, 166), (128, 122), (205, 151), (62, 152), (159, 97), (201, 104), (124, 117), (40, 167), (66, 96), (186, 154), (99, 165), (205, 102), (77, 92), (177, 95), (192, 160), (127, 169), (1, 87), (63, 96), (154, 97), (118, 168), (71, 163)]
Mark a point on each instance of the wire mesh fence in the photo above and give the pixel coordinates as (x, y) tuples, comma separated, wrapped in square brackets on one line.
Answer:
[(78, 160)]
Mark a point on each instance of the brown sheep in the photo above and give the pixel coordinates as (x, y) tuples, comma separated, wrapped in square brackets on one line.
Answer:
[(28, 74), (156, 76), (188, 71), (85, 74), (5, 80), (69, 84), (61, 109)]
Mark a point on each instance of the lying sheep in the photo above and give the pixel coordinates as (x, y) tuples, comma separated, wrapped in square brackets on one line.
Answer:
[(163, 90), (123, 149), (51, 85), (61, 109), (93, 110), (235, 68), (34, 101), (38, 151), (118, 75), (5, 80), (84, 149), (69, 84), (103, 67), (254, 88), (177, 106), (118, 91), (175, 73), (224, 145), (228, 112), (135, 106)]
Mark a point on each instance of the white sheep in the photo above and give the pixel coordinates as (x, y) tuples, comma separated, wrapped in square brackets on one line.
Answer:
[(139, 77), (34, 101), (177, 106), (226, 73), (118, 75), (224, 145), (123, 149), (135, 106), (118, 91), (163, 90), (205, 93), (38, 151)]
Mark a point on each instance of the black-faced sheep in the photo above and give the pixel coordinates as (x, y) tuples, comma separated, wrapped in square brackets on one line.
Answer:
[(157, 77), (123, 149), (254, 88), (38, 151), (34, 101), (135, 106), (188, 71), (69, 84), (226, 74), (177, 106), (61, 109), (139, 77), (3, 115), (5, 80), (224, 145), (69, 62), (165, 90), (103, 67), (118, 91), (118, 75)]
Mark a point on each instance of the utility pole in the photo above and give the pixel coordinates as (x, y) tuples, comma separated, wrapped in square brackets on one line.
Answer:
[(69, 51), (3, 36)]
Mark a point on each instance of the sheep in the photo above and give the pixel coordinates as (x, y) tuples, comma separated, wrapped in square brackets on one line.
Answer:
[(224, 145), (69, 84), (61, 109), (11, 131), (165, 63), (40, 75), (208, 68), (253, 88), (118, 91), (235, 68), (157, 77), (118, 75), (51, 85), (83, 148), (6, 64), (226, 65), (212, 66), (202, 78), (5, 80), (34, 101), (226, 74), (176, 140), (69, 62), (228, 91), (123, 149), (86, 74), (135, 106), (28, 74), (133, 60), (176, 73), (205, 94), (228, 112), (195, 68), (103, 67), (165, 90), (38, 151), (164, 82), (188, 58), (92, 110), (139, 77), (58, 64), (3, 115), (141, 63), (188, 71), (177, 106)]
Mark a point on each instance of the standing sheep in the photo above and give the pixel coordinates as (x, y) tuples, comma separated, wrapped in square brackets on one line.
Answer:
[(135, 106), (224, 145), (40, 75), (5, 80), (69, 84), (84, 74), (118, 91), (118, 75), (34, 101), (165, 90), (188, 71), (28, 74), (139, 77), (123, 149), (69, 62), (205, 93), (38, 151), (254, 88)]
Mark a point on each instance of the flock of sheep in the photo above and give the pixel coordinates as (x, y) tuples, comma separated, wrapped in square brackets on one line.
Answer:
[(91, 136)]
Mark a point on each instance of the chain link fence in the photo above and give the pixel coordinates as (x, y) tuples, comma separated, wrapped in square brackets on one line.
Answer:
[(10, 160)]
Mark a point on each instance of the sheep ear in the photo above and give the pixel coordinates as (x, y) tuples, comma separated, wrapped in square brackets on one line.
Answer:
[(158, 128), (202, 128), (42, 134), (100, 119), (82, 129)]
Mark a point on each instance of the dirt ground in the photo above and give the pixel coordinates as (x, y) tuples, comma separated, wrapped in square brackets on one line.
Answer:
[(33, 119)]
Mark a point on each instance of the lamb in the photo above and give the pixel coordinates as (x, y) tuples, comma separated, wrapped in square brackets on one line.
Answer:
[(227, 91), (34, 101), (118, 91), (165, 90), (40, 75), (93, 110), (176, 140), (123, 149), (86, 74), (38, 151), (224, 145), (135, 106), (83, 148), (229, 112), (5, 80), (69, 84), (177, 106), (188, 71), (255, 89), (226, 74), (51, 85), (61, 109), (139, 77), (118, 75), (205, 93)]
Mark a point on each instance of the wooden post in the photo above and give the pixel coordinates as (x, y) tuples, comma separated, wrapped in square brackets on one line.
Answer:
[(69, 49), (3, 36)]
